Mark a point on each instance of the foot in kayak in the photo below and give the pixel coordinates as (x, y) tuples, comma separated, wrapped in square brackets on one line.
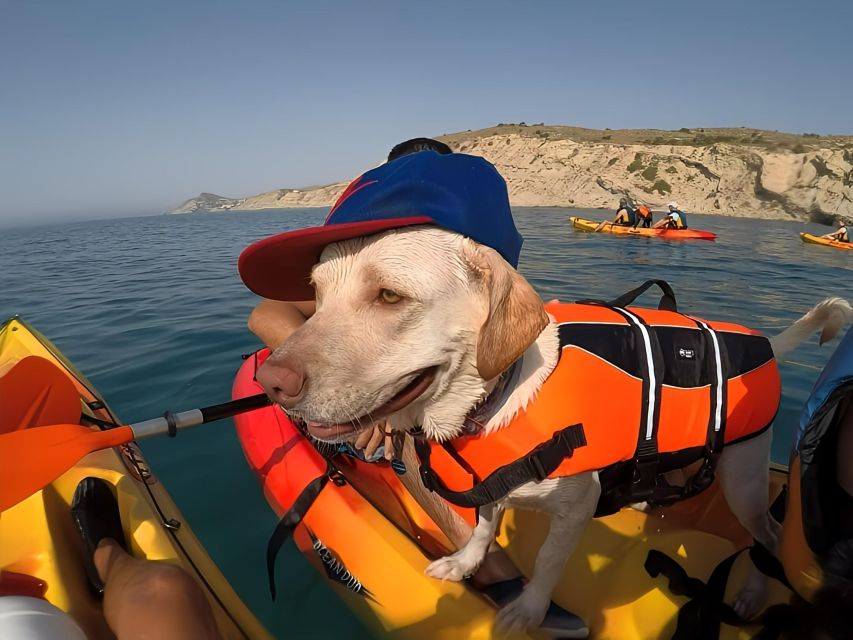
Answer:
[(96, 516)]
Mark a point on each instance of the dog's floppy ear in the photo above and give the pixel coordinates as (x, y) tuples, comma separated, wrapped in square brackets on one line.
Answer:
[(516, 314)]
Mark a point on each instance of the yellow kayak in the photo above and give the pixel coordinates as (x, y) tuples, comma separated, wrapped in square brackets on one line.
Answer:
[(37, 537), (835, 244), (582, 224)]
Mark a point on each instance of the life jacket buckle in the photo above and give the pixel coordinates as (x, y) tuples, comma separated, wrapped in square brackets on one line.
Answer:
[(644, 481), (337, 478), (702, 479)]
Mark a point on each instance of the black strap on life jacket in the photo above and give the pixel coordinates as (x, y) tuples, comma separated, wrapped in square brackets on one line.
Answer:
[(644, 484), (535, 466), (718, 363)]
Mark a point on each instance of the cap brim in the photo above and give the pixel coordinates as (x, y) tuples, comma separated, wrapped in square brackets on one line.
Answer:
[(279, 267)]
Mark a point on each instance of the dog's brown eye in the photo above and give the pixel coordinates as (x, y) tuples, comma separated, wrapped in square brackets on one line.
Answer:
[(389, 296)]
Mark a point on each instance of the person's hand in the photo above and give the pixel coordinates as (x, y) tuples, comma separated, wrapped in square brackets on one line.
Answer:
[(370, 440)]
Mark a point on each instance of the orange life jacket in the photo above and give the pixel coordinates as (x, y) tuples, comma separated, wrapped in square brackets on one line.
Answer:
[(636, 392), (643, 211)]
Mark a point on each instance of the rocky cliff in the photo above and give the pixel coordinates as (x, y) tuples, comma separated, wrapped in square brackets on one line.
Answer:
[(738, 172), (206, 202)]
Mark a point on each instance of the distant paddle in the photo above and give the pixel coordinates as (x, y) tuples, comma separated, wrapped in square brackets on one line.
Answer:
[(30, 459)]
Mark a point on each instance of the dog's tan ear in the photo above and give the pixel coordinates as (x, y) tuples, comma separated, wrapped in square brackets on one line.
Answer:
[(516, 314)]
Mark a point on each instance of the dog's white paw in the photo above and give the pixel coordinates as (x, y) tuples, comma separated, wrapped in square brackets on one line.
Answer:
[(525, 612), (751, 598), (643, 507), (455, 567)]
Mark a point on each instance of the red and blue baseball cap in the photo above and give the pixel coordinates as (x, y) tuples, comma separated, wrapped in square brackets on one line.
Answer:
[(457, 192)]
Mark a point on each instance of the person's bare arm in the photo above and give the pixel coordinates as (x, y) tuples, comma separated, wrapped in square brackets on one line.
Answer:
[(273, 320)]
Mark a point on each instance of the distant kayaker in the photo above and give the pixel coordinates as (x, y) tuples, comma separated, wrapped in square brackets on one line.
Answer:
[(841, 235), (675, 219), (644, 216), (625, 216)]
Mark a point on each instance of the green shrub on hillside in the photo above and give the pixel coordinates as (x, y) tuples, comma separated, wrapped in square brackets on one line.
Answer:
[(612, 161), (662, 187), (637, 164), (650, 173)]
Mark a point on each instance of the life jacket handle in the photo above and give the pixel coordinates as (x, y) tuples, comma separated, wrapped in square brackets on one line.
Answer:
[(667, 301)]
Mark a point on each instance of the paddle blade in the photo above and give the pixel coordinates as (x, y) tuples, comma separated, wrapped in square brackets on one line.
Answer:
[(31, 459), (36, 392)]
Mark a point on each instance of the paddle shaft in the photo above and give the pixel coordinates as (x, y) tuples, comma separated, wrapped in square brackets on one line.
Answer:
[(171, 422)]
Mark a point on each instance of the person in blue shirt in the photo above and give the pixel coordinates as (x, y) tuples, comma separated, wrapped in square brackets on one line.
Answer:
[(675, 219)]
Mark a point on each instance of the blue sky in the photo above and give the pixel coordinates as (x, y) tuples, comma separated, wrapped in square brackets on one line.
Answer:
[(126, 108)]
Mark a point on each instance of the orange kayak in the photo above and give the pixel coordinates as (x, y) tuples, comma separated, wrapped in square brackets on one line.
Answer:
[(371, 539), (581, 224)]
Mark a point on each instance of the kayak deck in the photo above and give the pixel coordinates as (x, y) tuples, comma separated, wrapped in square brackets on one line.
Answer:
[(582, 224), (38, 538), (826, 242)]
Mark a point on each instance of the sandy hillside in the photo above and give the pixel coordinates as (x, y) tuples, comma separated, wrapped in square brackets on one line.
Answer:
[(738, 172)]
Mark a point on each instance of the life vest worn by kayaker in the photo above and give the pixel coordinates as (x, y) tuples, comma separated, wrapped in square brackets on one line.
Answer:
[(636, 393), (644, 212), (630, 213), (819, 520), (678, 218)]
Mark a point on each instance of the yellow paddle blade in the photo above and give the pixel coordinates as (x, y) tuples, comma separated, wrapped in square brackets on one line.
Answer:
[(30, 459)]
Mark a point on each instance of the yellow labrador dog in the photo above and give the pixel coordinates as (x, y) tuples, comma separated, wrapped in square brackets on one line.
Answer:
[(416, 325)]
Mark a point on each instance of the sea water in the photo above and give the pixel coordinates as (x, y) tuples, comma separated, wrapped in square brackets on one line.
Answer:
[(152, 310)]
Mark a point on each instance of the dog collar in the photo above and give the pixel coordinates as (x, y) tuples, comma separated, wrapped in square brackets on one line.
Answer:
[(480, 415)]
